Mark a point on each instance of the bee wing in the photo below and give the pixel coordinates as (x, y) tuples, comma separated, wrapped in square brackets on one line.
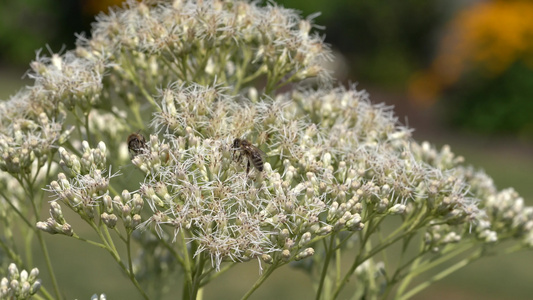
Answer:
[(263, 154)]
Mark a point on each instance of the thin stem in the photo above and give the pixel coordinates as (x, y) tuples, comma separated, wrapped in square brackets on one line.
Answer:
[(421, 268), (108, 238), (329, 254), (109, 246), (45, 293), (29, 191), (17, 211), (128, 247), (478, 254), (344, 240), (135, 109), (260, 281), (405, 283), (411, 227), (173, 251), (338, 263), (87, 130), (99, 245), (171, 65), (10, 253), (119, 234), (133, 76), (216, 274), (241, 70), (253, 76)]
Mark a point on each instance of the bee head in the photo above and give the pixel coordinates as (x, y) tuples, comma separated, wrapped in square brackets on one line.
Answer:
[(237, 143)]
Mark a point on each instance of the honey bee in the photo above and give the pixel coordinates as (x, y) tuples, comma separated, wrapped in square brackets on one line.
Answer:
[(253, 154), (136, 143)]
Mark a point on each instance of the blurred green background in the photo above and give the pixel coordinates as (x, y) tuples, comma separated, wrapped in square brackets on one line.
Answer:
[(458, 72)]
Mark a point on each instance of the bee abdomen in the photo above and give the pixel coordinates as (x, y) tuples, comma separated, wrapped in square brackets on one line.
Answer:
[(257, 160)]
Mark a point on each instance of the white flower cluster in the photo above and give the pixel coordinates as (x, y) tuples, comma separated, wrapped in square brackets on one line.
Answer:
[(333, 162), (69, 80), (200, 41), (331, 158)]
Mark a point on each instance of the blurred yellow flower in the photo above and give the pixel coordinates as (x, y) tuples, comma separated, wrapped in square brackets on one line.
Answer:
[(489, 36)]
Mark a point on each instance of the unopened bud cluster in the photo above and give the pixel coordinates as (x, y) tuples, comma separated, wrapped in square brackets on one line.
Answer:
[(84, 189), (56, 223), (439, 236), (508, 215), (19, 285), (127, 206), (91, 161), (25, 140)]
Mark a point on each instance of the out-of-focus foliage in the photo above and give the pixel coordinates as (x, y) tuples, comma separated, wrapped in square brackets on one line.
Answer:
[(374, 36), (485, 60), (28, 25), (500, 104), (384, 41)]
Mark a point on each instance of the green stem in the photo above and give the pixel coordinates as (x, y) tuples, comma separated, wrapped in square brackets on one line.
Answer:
[(200, 69), (87, 130), (329, 254), (186, 261), (478, 254), (260, 281), (11, 254), (73, 149), (109, 246), (405, 283), (216, 274), (171, 249), (99, 245), (196, 286), (416, 223), (49, 264), (241, 70), (421, 268), (128, 247), (29, 191), (45, 293), (109, 239), (135, 109), (343, 241), (338, 263), (119, 234), (171, 65), (17, 211), (253, 76), (128, 67)]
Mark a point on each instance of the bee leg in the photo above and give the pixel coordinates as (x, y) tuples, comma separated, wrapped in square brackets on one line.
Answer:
[(248, 167)]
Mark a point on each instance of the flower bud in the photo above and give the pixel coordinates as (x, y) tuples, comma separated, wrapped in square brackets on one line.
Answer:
[(305, 253), (110, 220)]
